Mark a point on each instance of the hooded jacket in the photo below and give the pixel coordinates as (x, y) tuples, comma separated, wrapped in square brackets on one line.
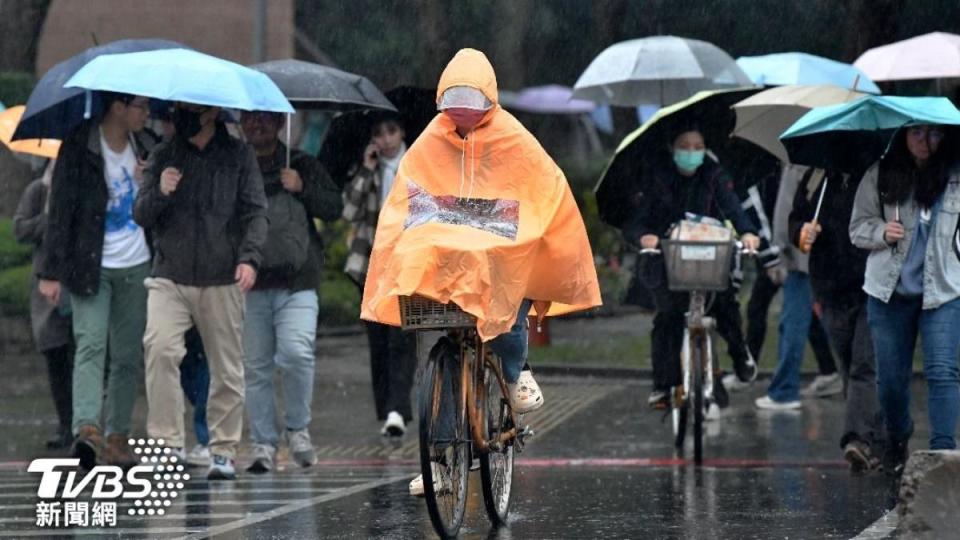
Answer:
[(483, 221)]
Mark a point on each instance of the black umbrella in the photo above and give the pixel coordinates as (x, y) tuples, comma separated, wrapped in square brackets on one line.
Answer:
[(646, 148), (349, 134), (312, 86), (52, 110)]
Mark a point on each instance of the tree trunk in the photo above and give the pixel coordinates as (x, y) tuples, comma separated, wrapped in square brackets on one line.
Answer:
[(21, 22)]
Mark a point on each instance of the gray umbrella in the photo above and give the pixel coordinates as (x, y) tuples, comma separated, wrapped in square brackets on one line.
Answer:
[(657, 70), (312, 86)]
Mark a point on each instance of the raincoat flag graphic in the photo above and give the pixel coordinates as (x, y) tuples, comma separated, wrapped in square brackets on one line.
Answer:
[(483, 221)]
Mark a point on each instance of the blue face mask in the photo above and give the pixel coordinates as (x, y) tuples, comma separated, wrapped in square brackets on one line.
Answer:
[(688, 160)]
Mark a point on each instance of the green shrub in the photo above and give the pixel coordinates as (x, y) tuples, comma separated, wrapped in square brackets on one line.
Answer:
[(15, 290), (339, 300), (15, 87), (11, 253)]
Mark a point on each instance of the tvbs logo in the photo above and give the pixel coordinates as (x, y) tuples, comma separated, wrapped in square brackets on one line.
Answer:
[(106, 480)]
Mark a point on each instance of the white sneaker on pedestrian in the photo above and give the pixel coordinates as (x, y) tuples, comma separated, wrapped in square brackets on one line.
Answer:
[(221, 468), (712, 412), (199, 456), (264, 456), (766, 403), (733, 383), (394, 426), (824, 386), (525, 395), (301, 448), (416, 485)]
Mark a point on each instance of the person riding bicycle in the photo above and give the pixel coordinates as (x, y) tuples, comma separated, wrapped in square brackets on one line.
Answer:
[(479, 215), (690, 183)]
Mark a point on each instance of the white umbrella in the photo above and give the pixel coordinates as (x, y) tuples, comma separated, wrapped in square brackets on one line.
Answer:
[(763, 117), (930, 56), (657, 70)]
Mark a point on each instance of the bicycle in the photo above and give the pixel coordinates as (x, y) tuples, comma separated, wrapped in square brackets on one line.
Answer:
[(698, 267), (464, 408)]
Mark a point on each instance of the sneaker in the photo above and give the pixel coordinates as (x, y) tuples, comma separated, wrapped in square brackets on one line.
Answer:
[(394, 426), (895, 458), (525, 394), (746, 369), (824, 386), (659, 399), (263, 456), (768, 404), (712, 412), (733, 383), (858, 456), (301, 448), (416, 485), (199, 456), (221, 468)]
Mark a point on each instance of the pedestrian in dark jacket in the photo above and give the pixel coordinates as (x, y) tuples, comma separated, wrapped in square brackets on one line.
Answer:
[(97, 252), (688, 184), (281, 323), (51, 324), (836, 276), (203, 199)]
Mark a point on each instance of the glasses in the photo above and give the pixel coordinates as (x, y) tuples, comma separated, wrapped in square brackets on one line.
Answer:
[(933, 135)]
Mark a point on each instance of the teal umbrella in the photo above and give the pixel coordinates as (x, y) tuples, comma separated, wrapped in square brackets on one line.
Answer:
[(852, 136)]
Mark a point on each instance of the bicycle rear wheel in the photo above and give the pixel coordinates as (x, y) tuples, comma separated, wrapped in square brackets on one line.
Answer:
[(699, 402), (679, 417), (496, 466), (444, 441)]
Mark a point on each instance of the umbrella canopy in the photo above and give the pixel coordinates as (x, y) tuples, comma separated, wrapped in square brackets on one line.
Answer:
[(648, 145), (52, 110), (851, 136), (930, 56), (349, 133), (763, 117), (183, 75), (312, 86), (9, 119), (802, 68), (657, 70), (549, 99)]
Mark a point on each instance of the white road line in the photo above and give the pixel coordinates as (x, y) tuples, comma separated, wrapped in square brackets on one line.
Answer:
[(881, 528)]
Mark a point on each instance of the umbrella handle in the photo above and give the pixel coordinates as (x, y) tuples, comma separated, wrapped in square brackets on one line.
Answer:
[(289, 118), (806, 246)]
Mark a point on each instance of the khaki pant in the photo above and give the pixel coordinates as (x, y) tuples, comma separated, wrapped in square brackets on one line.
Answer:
[(218, 315)]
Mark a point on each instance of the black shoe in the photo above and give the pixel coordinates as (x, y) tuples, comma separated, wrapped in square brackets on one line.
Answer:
[(720, 395), (895, 458), (62, 439), (746, 369)]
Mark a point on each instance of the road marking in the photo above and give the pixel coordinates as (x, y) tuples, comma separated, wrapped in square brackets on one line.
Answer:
[(881, 528)]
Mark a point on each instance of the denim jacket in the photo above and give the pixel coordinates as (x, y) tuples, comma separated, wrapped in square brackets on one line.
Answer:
[(941, 267)]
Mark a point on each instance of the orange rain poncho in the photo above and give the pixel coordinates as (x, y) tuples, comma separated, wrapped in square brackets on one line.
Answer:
[(483, 222)]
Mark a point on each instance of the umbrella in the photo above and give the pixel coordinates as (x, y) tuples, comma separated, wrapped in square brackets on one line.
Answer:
[(801, 68), (349, 133), (312, 86), (851, 136), (647, 145), (762, 117), (9, 119), (52, 110), (930, 56), (183, 75), (657, 70), (549, 99)]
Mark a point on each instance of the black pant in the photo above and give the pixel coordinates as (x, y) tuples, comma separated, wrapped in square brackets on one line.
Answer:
[(669, 323), (60, 374), (393, 361), (760, 297)]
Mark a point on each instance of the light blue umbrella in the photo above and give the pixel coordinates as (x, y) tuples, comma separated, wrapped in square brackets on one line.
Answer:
[(182, 75), (801, 68), (851, 136)]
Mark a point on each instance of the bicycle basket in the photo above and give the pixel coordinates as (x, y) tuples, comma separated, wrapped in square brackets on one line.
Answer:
[(420, 313), (697, 265)]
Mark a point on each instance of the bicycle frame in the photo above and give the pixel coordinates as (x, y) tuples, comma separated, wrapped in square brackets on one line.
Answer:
[(698, 326)]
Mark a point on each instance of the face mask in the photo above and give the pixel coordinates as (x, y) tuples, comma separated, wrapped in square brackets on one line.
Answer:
[(688, 160), (187, 123), (465, 118)]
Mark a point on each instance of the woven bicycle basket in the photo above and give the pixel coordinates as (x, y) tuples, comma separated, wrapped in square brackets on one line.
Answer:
[(420, 313)]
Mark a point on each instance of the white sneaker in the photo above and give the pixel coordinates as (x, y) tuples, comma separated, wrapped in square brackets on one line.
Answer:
[(713, 412), (301, 448), (733, 383), (768, 404), (394, 426), (199, 456), (525, 395), (416, 485), (263, 456), (824, 386)]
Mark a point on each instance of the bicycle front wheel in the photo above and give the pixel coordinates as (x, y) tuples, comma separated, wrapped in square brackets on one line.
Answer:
[(444, 444), (496, 466), (699, 401)]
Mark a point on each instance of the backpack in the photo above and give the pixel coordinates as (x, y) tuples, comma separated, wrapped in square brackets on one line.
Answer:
[(288, 236)]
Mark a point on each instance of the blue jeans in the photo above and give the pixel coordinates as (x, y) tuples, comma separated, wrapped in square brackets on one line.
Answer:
[(195, 381), (512, 346), (280, 332), (895, 326), (795, 317)]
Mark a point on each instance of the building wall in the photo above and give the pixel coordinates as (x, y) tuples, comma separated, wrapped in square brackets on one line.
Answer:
[(223, 28)]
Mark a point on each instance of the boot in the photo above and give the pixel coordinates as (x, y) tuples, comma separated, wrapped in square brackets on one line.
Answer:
[(118, 452), (88, 445)]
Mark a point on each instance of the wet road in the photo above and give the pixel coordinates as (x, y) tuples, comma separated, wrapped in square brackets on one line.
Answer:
[(601, 464)]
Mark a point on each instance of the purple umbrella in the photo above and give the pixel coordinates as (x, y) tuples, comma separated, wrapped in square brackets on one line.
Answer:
[(549, 99)]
